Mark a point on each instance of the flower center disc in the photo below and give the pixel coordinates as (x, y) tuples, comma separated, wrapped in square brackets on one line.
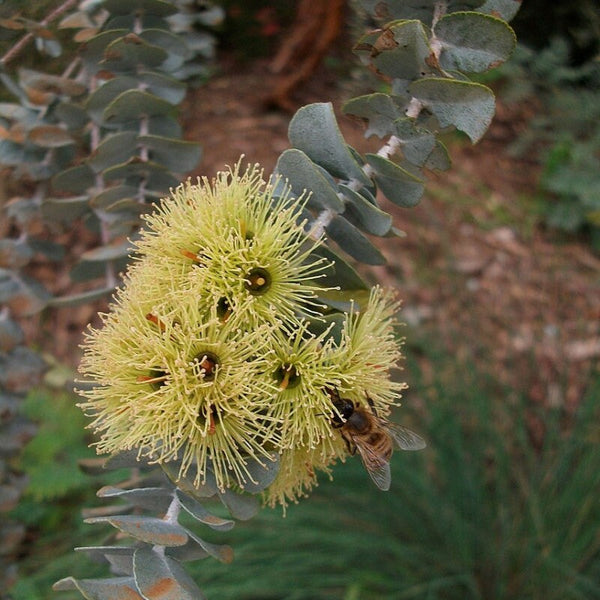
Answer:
[(258, 281), (208, 364), (287, 376)]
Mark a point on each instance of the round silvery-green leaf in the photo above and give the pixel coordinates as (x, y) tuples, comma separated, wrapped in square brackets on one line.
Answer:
[(466, 105), (400, 186), (114, 149), (130, 52), (135, 104), (353, 242), (177, 50), (417, 142), (177, 155), (11, 335), (49, 136), (473, 42), (379, 110), (157, 499), (108, 252), (197, 510), (36, 81), (159, 8), (314, 130), (505, 9), (106, 93), (25, 296), (115, 588), (146, 529), (14, 253), (364, 214), (398, 51), (159, 577), (75, 180), (241, 506), (387, 10), (303, 175), (82, 298), (221, 552), (21, 369), (334, 323), (262, 473), (72, 115), (133, 169), (339, 272), (163, 86), (439, 159), (92, 51)]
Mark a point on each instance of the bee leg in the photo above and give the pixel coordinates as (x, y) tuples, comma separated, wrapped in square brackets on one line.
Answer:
[(372, 405), (349, 446)]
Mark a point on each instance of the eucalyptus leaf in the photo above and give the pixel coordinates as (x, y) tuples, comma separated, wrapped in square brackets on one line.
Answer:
[(365, 215), (115, 588), (176, 155), (128, 53), (379, 110), (314, 130), (49, 136), (81, 298), (92, 52), (106, 93), (388, 10), (353, 242), (157, 499), (72, 115), (14, 253), (241, 506), (466, 105), (114, 149), (333, 323), (160, 8), (74, 180), (135, 104), (473, 42), (221, 552), (399, 50), (439, 159), (262, 473), (304, 176), (505, 9), (50, 84), (11, 335), (146, 529), (159, 577), (399, 185), (417, 143), (112, 251), (197, 510), (161, 85), (339, 272)]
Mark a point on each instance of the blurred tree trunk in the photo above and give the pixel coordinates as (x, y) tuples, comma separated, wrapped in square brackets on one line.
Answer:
[(315, 28)]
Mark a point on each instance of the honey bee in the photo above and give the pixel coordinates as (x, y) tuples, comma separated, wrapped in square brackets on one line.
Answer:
[(374, 437)]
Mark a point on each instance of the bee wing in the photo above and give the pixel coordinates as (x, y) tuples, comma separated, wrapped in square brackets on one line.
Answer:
[(404, 438), (377, 467)]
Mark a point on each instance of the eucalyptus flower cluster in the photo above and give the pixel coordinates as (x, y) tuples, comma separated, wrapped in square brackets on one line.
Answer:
[(207, 356)]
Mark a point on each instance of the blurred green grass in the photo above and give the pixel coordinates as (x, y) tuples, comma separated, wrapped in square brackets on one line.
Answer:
[(480, 514)]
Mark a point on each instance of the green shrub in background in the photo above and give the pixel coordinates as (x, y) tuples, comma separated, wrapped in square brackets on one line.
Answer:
[(564, 133)]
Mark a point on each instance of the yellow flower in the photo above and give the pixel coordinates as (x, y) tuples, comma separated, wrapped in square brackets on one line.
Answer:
[(178, 384), (206, 358), (234, 243)]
